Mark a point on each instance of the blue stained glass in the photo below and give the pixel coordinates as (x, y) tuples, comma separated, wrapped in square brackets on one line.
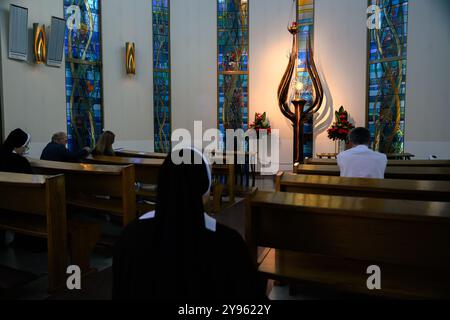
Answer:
[(233, 49), (387, 76), (83, 75), (161, 75), (305, 19)]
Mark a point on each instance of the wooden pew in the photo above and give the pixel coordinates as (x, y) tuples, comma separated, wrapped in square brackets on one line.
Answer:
[(245, 172), (390, 156), (218, 170), (332, 240), (358, 187), (146, 171), (36, 206), (139, 154), (227, 171), (96, 187), (413, 173), (391, 163)]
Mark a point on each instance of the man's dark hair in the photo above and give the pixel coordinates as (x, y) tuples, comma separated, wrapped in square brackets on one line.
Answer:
[(360, 136)]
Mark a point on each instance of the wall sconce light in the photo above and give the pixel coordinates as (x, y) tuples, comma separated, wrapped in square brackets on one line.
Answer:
[(130, 61), (40, 45)]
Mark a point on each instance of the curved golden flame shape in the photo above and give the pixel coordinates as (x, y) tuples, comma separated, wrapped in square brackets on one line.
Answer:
[(40, 46), (131, 58)]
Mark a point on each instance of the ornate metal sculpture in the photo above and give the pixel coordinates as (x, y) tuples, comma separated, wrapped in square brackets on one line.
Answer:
[(302, 111)]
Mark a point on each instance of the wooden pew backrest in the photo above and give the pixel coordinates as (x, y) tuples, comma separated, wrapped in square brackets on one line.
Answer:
[(359, 187), (332, 240), (146, 169), (86, 184), (391, 163), (36, 205), (140, 154), (413, 173), (391, 231)]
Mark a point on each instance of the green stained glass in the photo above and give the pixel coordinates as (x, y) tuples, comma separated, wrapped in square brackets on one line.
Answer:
[(161, 75), (83, 75), (233, 45), (387, 76)]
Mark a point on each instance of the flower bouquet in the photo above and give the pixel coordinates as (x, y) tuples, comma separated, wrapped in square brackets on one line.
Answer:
[(341, 127), (261, 123)]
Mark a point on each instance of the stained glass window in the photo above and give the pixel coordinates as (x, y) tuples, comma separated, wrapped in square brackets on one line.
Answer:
[(387, 76), (233, 44), (161, 75), (83, 73), (305, 20)]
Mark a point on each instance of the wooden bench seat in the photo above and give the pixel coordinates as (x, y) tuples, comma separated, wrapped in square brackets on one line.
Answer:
[(146, 171), (391, 163), (409, 240), (36, 206), (348, 275), (140, 154), (24, 224), (147, 168), (390, 156), (413, 173), (103, 188), (359, 187)]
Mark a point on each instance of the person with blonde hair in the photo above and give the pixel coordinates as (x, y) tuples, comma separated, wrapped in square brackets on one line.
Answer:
[(104, 145)]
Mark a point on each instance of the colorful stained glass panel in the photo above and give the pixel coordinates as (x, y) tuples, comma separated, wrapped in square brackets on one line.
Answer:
[(305, 20), (161, 75), (387, 76), (83, 73), (233, 44)]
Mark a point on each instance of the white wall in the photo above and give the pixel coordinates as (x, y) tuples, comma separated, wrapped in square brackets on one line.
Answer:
[(428, 79), (270, 43), (194, 57), (128, 100), (340, 56), (33, 95), (340, 53)]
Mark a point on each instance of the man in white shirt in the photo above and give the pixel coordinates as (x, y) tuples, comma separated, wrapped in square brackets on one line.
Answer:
[(360, 161)]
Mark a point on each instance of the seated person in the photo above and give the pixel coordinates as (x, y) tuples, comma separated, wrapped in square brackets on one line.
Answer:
[(104, 145), (56, 150), (360, 161), (12, 153), (178, 251), (12, 160)]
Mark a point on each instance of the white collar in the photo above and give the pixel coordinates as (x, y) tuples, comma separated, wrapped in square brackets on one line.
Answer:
[(359, 148), (210, 223)]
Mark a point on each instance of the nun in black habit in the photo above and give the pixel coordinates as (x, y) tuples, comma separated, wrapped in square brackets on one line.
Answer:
[(12, 151), (178, 252)]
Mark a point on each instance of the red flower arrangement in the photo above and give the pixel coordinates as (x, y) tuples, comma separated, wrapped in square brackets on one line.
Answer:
[(341, 127), (261, 122)]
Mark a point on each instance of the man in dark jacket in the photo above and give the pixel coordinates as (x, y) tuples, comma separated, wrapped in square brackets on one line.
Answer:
[(56, 150)]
